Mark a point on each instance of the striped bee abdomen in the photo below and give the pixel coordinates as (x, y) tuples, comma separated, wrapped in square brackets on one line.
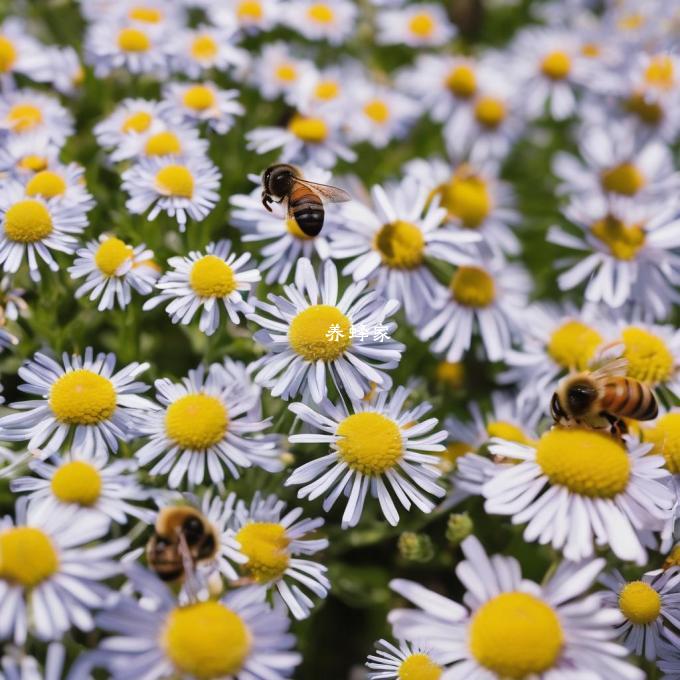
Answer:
[(630, 398), (307, 209)]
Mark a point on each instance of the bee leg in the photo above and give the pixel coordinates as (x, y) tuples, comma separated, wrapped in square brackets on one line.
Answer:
[(617, 426), (266, 201)]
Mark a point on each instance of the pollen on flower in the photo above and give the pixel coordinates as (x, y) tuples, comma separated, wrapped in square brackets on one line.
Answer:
[(490, 112), (148, 15), (163, 144), (28, 221), (588, 463), (310, 335), (516, 635), (196, 421), (175, 180), (199, 97), (265, 544), (422, 25), (206, 640), (377, 110), (294, 230), (624, 241), (77, 482), (27, 556), (24, 117), (82, 397), (138, 122), (8, 54), (369, 442), (401, 245), (473, 287), (660, 72), (327, 90), (47, 184), (573, 344), (33, 162), (321, 13), (462, 81), (133, 40), (466, 197), (286, 72), (250, 10), (665, 435), (556, 65), (625, 179), (212, 277), (506, 430), (419, 667), (111, 254), (649, 359), (639, 602), (203, 47), (308, 129)]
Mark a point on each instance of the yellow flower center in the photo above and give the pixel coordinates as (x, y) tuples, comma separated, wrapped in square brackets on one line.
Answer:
[(33, 162), (206, 640), (473, 287), (490, 112), (23, 117), (588, 463), (506, 430), (47, 184), (321, 13), (163, 144), (294, 229), (649, 112), (286, 72), (370, 443), (665, 436), (451, 373), (8, 54), (573, 345), (327, 90), (175, 180), (624, 179), (111, 254), (204, 47), (250, 10), (639, 602), (265, 544), (28, 221), (377, 110), (199, 97), (422, 25), (649, 359), (196, 421), (660, 72), (454, 450), (419, 667), (673, 558), (137, 122), (623, 241), (148, 15), (133, 40), (77, 482), (591, 50), (401, 245), (211, 276), (82, 397), (466, 197), (319, 333), (631, 22), (311, 130), (462, 81), (515, 635), (556, 65), (27, 556)]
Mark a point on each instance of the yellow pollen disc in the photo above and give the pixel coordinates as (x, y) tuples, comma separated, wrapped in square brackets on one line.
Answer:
[(77, 482), (649, 359), (473, 287), (312, 336), (673, 558), (401, 245), (591, 50), (196, 421), (111, 254), (556, 65), (311, 130), (204, 47), (82, 397), (321, 13), (631, 22), (8, 54), (639, 603), (250, 10), (377, 110), (451, 373), (265, 544), (175, 180), (163, 144), (149, 15), (505, 430), (199, 97), (327, 90), (133, 40), (466, 197), (33, 162), (649, 112), (28, 221), (454, 450), (27, 556), (370, 443), (211, 276), (206, 640), (623, 179), (515, 635), (47, 184), (294, 229), (573, 345), (419, 667), (286, 72), (422, 25), (623, 241), (462, 81), (137, 122), (588, 463), (660, 72), (490, 112), (23, 117), (665, 435)]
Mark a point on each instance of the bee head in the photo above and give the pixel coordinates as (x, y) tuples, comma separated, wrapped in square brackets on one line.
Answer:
[(580, 397), (278, 179)]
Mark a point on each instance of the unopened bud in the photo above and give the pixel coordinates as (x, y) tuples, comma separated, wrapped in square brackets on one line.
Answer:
[(458, 528), (416, 547)]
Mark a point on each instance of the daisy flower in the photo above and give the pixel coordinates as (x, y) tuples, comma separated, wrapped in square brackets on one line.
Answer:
[(113, 269), (17, 666), (194, 103), (310, 335), (162, 141), (21, 156), (83, 400), (664, 434), (420, 25), (250, 16), (377, 445), (203, 423), (65, 70), (149, 13), (575, 487), (131, 119), (512, 627), (405, 661), (19, 52), (180, 187), (63, 183), (331, 20), (276, 72), (326, 89), (31, 228), (648, 605), (390, 240), (273, 543), (48, 580), (208, 281), (31, 112)]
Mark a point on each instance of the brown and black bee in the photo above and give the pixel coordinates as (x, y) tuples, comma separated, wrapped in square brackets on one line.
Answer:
[(182, 538), (305, 198)]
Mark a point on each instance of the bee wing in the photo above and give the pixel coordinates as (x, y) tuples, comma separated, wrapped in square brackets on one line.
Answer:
[(327, 192), (614, 367), (609, 361)]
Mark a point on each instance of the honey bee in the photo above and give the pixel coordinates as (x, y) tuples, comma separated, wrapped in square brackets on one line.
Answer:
[(602, 397), (305, 198), (182, 538)]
